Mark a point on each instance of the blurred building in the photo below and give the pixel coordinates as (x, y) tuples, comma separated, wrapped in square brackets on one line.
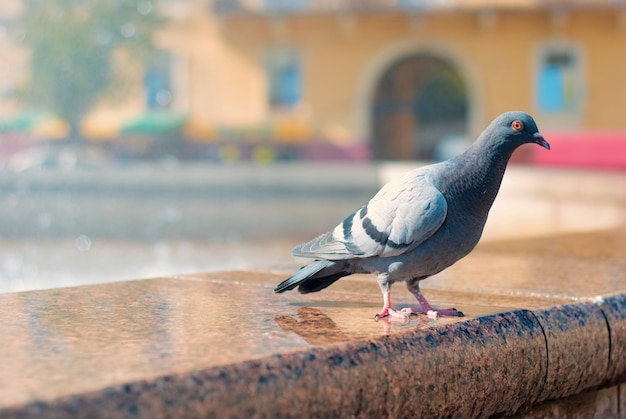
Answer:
[(390, 79)]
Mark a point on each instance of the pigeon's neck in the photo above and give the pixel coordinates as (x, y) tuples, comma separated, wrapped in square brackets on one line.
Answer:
[(479, 174), (491, 158)]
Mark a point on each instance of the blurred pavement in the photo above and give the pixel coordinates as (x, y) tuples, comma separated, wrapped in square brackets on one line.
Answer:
[(79, 227)]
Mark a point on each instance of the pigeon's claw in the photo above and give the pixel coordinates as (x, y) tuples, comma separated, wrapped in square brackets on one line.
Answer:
[(426, 308), (454, 312), (388, 311)]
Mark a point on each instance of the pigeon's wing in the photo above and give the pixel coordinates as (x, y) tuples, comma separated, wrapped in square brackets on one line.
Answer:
[(323, 247), (398, 219), (402, 215)]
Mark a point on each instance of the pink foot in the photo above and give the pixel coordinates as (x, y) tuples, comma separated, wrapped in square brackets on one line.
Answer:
[(426, 308), (390, 312), (387, 311)]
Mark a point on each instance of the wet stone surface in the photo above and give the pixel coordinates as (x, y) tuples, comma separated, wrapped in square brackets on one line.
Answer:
[(198, 344), (57, 341)]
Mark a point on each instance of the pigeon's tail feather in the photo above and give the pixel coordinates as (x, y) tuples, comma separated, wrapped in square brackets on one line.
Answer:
[(323, 247), (314, 277)]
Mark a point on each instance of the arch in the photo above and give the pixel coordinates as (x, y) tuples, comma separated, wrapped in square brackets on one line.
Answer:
[(383, 62)]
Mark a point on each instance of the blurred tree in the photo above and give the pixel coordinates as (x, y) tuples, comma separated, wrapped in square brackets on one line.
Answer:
[(72, 43)]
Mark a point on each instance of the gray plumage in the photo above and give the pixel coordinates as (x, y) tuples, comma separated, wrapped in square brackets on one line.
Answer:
[(420, 223)]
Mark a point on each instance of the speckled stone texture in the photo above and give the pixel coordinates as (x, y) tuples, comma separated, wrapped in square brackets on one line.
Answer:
[(546, 321), (475, 368), (578, 344), (493, 365), (614, 309)]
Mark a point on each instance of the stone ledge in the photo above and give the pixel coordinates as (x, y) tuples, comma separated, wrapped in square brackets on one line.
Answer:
[(496, 364), (547, 321)]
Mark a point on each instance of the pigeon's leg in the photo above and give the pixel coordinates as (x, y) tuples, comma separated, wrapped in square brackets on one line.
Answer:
[(425, 306), (387, 310)]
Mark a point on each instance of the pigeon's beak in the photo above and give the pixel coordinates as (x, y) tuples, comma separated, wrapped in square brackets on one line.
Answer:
[(541, 141)]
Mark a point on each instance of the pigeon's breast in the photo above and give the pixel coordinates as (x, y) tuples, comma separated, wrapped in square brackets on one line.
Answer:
[(458, 235), (437, 253)]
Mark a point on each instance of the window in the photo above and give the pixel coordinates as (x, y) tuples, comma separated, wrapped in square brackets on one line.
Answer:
[(285, 6), (559, 82), (157, 82), (284, 78)]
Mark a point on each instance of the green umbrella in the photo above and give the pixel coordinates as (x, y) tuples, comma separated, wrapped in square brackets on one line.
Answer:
[(154, 123), (24, 121)]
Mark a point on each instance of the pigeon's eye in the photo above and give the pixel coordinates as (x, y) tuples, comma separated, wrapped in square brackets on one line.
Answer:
[(517, 125)]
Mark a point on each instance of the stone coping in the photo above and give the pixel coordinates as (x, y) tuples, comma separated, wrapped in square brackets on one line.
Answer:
[(223, 345), (497, 364)]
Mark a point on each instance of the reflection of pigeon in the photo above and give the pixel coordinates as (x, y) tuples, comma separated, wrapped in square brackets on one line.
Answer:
[(419, 224), (312, 325)]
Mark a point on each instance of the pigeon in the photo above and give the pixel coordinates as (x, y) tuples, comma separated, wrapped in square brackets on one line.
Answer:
[(419, 224)]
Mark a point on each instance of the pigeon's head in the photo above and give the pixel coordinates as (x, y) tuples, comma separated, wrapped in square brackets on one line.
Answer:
[(512, 129)]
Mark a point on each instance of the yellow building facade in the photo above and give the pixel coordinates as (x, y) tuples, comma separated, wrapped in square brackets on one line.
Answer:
[(561, 63), (393, 77)]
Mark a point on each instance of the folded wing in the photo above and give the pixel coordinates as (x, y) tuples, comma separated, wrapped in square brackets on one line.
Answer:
[(401, 216)]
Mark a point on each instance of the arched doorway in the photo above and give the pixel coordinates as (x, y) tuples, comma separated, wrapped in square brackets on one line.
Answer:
[(420, 101)]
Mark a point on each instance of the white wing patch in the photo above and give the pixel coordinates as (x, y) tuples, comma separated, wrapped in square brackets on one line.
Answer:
[(402, 215)]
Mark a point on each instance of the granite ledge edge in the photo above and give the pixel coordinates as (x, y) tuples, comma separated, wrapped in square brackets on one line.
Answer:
[(497, 364)]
